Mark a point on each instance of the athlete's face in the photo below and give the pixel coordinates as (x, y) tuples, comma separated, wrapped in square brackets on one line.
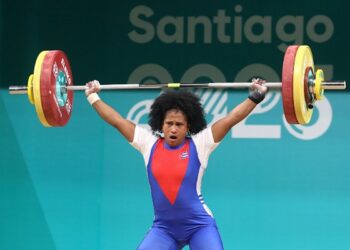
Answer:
[(174, 127)]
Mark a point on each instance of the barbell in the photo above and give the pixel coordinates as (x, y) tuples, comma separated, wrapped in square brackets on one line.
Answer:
[(50, 88)]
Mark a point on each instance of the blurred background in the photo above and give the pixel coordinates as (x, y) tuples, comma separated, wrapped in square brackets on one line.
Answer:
[(270, 185)]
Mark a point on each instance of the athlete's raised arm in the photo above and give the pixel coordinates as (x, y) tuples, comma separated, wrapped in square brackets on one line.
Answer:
[(107, 113)]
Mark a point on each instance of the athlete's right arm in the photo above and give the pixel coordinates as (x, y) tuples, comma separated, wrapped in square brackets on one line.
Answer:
[(107, 113)]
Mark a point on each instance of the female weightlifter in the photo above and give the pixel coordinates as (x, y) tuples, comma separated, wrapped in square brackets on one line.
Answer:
[(176, 151)]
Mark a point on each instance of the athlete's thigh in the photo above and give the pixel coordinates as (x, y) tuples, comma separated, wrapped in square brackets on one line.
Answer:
[(207, 238), (157, 239)]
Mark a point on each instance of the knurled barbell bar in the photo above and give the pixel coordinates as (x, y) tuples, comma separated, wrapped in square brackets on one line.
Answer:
[(50, 88)]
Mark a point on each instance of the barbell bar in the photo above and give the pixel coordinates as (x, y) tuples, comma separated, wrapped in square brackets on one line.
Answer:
[(333, 85), (50, 88)]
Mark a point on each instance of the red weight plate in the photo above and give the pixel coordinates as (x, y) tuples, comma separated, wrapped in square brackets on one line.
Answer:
[(56, 102), (287, 84)]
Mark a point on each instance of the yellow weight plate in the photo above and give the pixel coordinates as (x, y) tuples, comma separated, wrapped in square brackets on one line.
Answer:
[(36, 89), (30, 89), (303, 60), (318, 84)]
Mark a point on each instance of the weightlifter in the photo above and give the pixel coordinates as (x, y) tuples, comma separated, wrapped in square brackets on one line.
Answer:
[(176, 152)]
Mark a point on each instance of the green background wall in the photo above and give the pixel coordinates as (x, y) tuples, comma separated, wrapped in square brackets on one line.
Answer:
[(269, 184)]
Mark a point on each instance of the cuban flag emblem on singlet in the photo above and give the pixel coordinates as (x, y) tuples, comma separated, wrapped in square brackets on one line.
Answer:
[(184, 155)]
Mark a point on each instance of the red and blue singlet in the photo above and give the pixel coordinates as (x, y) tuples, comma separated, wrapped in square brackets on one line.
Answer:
[(175, 177)]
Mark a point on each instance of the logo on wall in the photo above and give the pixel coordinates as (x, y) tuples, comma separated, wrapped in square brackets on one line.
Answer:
[(231, 26), (227, 26)]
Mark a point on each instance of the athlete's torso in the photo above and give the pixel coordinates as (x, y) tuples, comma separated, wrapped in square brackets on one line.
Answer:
[(175, 176)]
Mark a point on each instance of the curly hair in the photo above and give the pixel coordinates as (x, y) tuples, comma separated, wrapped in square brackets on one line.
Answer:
[(184, 101)]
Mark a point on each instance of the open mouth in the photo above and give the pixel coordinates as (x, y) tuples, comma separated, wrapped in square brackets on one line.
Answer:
[(173, 137)]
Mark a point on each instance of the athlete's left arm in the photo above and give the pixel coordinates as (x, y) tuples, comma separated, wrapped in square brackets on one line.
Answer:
[(221, 127)]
